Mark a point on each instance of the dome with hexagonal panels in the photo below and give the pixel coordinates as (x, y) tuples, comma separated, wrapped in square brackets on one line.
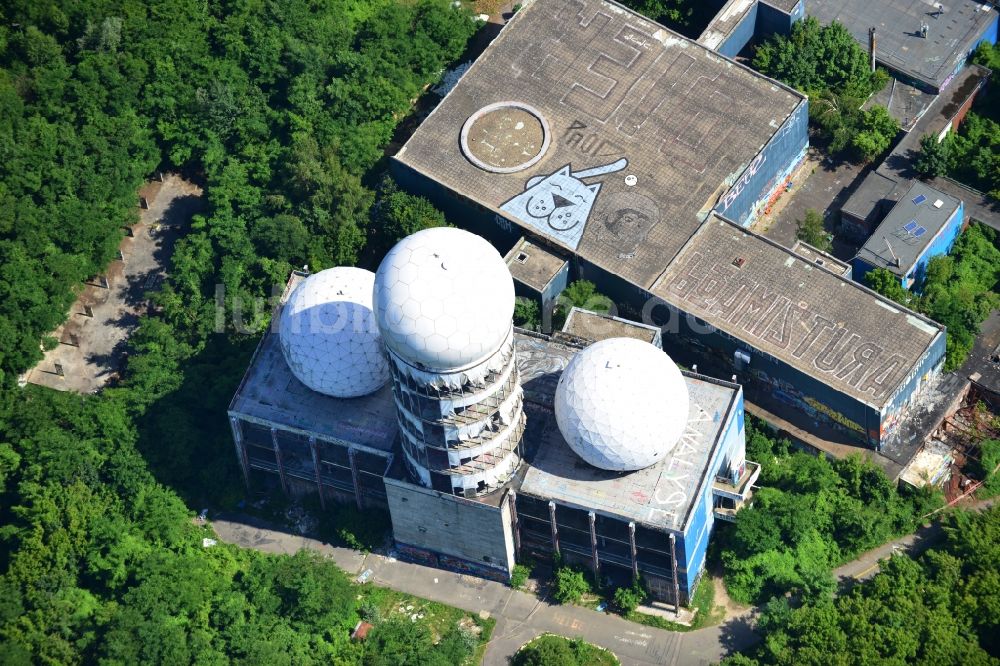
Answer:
[(444, 299), (621, 404), (328, 334)]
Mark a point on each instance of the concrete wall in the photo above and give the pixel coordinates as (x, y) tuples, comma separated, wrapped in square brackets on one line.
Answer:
[(741, 34), (753, 187), (451, 532), (771, 20)]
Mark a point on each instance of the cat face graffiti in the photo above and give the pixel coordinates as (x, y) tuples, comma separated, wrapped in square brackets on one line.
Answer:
[(559, 204), (564, 200)]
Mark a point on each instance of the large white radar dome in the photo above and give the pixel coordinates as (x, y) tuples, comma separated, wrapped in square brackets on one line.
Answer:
[(328, 334), (444, 299), (621, 404)]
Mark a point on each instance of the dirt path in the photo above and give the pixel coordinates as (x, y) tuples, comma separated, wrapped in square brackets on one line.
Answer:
[(92, 340)]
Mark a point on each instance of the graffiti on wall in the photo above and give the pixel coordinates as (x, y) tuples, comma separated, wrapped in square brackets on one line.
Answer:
[(679, 475), (786, 393)]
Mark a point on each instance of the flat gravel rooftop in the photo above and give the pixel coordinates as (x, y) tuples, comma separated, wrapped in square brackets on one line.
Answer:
[(898, 44), (828, 327), (660, 496), (642, 131), (907, 231)]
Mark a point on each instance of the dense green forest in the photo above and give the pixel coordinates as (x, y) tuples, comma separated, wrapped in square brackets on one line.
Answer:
[(942, 608), (959, 290), (809, 515), (281, 110)]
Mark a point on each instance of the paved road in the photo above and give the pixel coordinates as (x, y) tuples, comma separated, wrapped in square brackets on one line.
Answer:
[(520, 616), (825, 188)]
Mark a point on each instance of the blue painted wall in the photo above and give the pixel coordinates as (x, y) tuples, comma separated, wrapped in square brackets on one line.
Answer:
[(930, 364), (702, 520), (772, 166), (760, 22), (771, 20), (941, 244), (991, 33), (741, 34)]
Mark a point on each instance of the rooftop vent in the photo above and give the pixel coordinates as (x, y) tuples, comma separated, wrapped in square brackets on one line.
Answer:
[(739, 261), (521, 257), (938, 203)]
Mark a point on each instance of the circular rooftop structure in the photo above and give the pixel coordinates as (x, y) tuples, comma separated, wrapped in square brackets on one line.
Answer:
[(328, 334), (505, 137), (444, 299), (621, 404)]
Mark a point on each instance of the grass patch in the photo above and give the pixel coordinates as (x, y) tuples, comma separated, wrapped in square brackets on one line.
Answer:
[(552, 649), (707, 614), (486, 633), (381, 604)]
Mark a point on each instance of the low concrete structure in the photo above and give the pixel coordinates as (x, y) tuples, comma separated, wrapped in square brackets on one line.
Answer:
[(540, 274), (593, 326), (822, 259), (922, 225)]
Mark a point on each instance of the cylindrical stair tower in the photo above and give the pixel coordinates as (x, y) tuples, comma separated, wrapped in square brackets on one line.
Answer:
[(444, 300)]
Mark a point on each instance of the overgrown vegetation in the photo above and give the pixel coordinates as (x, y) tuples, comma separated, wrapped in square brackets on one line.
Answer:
[(940, 609), (827, 64), (959, 290), (627, 599), (706, 613), (526, 313), (811, 230), (519, 576), (552, 650), (569, 584), (688, 17), (581, 294), (971, 156), (809, 514), (281, 111), (986, 468)]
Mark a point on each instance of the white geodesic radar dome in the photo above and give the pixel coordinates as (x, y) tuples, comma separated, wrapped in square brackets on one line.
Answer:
[(328, 334), (444, 299), (621, 404)]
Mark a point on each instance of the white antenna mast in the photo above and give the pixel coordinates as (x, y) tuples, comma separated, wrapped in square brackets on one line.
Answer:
[(895, 259)]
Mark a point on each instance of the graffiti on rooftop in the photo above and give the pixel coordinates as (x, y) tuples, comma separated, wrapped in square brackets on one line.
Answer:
[(731, 297)]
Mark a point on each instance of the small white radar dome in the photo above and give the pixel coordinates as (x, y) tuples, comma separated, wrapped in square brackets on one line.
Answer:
[(444, 299), (328, 334), (621, 404)]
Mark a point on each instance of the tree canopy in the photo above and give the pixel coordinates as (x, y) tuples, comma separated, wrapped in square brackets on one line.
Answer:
[(809, 515), (939, 609), (827, 64), (959, 290), (282, 112)]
